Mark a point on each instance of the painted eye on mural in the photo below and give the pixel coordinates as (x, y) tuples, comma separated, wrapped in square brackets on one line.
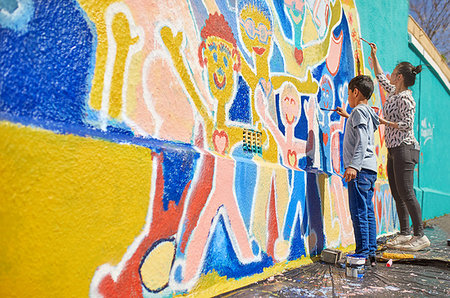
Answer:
[(262, 32), (215, 57), (249, 27), (225, 61)]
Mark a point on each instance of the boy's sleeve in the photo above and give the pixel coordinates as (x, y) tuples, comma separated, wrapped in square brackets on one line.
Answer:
[(359, 123)]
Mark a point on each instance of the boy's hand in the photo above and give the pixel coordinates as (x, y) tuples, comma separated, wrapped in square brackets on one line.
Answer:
[(350, 174), (342, 112)]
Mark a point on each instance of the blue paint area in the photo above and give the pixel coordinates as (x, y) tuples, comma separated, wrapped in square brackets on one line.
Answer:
[(276, 61), (15, 14), (240, 108), (339, 82), (301, 129), (178, 170), (314, 210), (277, 107), (244, 183), (298, 196), (297, 242), (45, 71), (9, 5), (200, 14), (284, 20), (221, 257)]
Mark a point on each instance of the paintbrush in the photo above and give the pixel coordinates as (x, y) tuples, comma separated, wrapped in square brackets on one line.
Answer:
[(365, 40), (332, 110)]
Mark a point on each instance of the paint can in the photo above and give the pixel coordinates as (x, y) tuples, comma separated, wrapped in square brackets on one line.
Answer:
[(356, 271), (356, 259), (355, 266)]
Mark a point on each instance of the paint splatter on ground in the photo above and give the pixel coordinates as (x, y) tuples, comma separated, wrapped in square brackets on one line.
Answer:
[(427, 275)]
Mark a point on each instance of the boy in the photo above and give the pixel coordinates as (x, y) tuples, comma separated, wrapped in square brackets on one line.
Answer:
[(360, 164)]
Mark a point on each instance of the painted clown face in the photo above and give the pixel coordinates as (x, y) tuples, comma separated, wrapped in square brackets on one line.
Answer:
[(220, 61), (256, 31), (290, 105)]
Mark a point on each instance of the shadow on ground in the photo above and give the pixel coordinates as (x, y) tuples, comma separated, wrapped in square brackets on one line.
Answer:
[(426, 275)]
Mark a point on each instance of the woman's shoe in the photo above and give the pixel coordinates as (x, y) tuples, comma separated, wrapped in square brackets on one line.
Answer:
[(416, 243), (398, 240)]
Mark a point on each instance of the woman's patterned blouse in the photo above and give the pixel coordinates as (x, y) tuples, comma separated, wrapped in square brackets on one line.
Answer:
[(398, 108)]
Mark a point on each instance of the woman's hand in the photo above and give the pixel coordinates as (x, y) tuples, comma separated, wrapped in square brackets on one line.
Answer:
[(342, 112), (373, 49)]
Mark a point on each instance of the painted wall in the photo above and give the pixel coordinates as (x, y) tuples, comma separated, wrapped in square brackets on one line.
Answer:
[(163, 147)]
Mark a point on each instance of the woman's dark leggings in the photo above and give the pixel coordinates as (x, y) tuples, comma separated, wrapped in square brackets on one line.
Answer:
[(400, 170)]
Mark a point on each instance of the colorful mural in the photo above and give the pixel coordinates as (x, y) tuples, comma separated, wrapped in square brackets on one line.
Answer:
[(206, 127)]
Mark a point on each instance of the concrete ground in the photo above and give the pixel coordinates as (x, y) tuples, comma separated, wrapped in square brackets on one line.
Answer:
[(426, 275)]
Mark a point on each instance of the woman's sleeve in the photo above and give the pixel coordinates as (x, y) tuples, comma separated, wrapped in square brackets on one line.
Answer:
[(406, 112), (385, 83)]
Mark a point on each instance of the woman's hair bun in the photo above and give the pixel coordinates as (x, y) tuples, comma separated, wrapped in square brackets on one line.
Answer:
[(417, 69)]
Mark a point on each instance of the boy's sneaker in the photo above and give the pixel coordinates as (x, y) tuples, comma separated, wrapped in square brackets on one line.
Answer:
[(398, 240), (416, 243)]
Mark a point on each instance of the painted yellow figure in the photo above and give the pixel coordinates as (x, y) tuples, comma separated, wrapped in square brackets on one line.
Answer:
[(255, 27), (218, 53)]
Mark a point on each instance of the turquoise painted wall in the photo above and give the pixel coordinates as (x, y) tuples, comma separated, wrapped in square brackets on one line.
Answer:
[(430, 92)]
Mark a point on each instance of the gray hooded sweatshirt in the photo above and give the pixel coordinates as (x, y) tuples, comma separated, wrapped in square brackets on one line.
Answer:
[(359, 148)]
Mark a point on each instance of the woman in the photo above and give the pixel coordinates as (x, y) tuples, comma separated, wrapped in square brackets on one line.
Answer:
[(403, 151)]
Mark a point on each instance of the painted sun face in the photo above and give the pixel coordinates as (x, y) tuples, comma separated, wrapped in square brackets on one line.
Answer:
[(290, 105), (256, 31), (220, 61)]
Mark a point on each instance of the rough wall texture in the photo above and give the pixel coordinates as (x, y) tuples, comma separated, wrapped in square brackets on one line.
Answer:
[(162, 147)]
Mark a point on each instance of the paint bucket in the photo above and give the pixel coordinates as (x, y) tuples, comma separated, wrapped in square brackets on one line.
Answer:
[(357, 271), (356, 259), (355, 266)]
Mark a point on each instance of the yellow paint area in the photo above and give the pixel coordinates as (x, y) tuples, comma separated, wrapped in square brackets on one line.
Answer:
[(211, 284), (68, 205), (96, 13), (123, 39), (309, 29), (156, 267)]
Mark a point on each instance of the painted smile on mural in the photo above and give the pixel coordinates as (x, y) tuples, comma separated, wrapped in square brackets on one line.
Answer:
[(220, 83), (290, 106)]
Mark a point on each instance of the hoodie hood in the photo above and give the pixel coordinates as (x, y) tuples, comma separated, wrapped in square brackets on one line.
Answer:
[(374, 118)]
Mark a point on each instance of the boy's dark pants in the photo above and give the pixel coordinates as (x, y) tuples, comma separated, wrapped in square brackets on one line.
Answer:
[(360, 194), (400, 170)]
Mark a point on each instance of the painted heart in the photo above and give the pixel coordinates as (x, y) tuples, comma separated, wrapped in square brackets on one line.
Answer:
[(325, 138), (220, 141), (292, 158), (377, 150), (298, 54)]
